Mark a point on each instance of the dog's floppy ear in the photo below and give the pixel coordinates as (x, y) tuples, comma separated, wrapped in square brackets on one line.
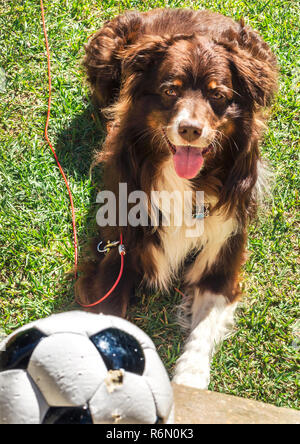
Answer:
[(239, 185), (253, 65), (147, 52), (102, 60)]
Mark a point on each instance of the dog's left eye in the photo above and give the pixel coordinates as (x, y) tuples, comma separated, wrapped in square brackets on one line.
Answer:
[(216, 95), (170, 92)]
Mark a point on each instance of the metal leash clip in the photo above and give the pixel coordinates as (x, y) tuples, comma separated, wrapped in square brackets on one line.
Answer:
[(122, 250), (107, 247)]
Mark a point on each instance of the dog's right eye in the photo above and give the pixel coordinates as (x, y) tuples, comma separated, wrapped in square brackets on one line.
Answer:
[(170, 92)]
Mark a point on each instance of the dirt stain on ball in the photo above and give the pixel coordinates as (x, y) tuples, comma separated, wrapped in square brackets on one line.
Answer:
[(114, 380)]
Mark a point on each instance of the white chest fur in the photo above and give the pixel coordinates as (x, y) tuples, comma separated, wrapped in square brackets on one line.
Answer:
[(206, 237)]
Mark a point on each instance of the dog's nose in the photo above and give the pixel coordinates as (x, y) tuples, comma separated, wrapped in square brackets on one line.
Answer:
[(190, 131)]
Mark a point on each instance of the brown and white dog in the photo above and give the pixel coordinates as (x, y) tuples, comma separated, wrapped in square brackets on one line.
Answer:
[(184, 91)]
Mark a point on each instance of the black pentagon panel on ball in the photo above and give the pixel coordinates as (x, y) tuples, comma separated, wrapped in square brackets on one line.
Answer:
[(119, 350), (68, 415), (19, 349)]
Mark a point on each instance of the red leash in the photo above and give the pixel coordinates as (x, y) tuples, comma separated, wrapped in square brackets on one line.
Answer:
[(51, 147), (121, 250)]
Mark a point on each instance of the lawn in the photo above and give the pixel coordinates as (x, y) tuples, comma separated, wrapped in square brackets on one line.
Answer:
[(259, 360)]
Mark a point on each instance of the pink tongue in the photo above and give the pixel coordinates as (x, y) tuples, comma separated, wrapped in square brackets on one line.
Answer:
[(187, 161)]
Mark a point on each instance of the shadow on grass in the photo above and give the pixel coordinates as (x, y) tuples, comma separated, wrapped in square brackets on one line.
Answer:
[(75, 147)]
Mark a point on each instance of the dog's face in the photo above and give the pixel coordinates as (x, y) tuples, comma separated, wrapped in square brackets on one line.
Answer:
[(193, 105), (189, 92)]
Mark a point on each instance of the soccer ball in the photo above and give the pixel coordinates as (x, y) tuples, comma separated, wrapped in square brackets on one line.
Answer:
[(82, 368)]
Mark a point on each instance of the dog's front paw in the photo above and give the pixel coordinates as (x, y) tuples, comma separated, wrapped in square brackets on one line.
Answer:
[(197, 381), (192, 372)]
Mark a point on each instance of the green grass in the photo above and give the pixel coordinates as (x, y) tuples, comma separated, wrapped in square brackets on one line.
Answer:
[(259, 360)]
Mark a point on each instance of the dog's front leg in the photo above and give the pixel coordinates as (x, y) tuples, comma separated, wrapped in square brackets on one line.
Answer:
[(210, 316)]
